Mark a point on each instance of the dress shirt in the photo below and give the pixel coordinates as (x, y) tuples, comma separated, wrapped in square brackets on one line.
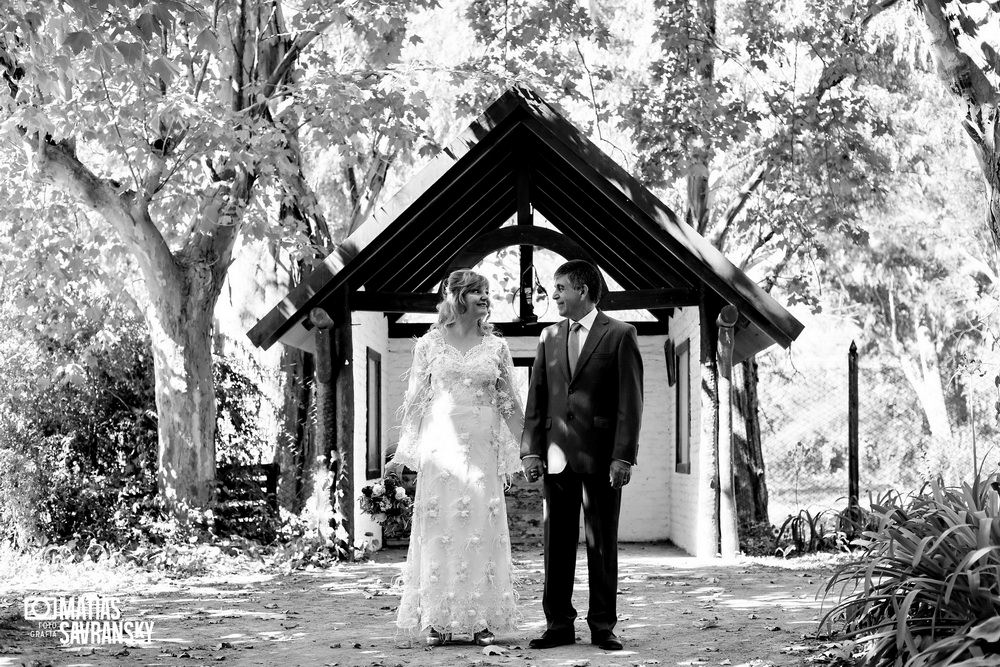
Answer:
[(555, 456)]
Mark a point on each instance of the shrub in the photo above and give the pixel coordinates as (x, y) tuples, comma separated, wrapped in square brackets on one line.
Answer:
[(925, 589), (78, 430)]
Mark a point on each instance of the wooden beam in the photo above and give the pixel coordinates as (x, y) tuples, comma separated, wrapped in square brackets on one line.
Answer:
[(649, 299), (522, 235), (575, 205), (344, 380), (426, 302), (729, 541), (525, 220), (428, 251), (513, 329), (395, 302)]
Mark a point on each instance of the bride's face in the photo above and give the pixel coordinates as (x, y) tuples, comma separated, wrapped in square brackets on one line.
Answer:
[(477, 301)]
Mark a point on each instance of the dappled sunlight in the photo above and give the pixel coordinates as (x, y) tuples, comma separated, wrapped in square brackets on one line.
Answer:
[(669, 610)]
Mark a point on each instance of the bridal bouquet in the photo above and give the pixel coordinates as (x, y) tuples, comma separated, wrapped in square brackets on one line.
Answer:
[(386, 501)]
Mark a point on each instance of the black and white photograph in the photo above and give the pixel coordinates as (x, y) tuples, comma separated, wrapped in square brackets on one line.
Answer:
[(529, 333)]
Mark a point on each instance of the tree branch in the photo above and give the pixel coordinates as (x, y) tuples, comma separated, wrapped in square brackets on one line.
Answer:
[(58, 164), (734, 210), (281, 71)]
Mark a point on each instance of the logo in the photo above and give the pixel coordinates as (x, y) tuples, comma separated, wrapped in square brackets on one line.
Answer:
[(84, 619)]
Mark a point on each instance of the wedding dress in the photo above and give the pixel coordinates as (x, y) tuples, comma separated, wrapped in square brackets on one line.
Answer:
[(455, 434)]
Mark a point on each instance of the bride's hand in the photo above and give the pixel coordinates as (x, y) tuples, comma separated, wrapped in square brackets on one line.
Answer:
[(393, 468)]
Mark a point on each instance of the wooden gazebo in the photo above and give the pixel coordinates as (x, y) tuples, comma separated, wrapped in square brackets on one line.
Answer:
[(520, 156)]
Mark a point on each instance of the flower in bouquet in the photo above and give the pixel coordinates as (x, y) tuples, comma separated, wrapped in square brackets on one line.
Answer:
[(388, 503)]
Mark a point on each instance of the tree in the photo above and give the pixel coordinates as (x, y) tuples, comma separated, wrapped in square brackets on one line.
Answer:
[(965, 43), (759, 122), (924, 289), (175, 125)]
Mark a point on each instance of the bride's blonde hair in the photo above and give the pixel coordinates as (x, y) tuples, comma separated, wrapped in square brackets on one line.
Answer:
[(455, 287)]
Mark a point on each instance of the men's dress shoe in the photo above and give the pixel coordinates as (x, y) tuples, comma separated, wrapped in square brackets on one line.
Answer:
[(484, 638), (553, 639), (607, 641)]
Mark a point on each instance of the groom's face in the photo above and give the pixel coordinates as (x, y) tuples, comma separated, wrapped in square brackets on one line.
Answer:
[(570, 301)]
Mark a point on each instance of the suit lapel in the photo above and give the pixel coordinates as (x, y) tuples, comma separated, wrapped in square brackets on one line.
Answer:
[(593, 338), (561, 352)]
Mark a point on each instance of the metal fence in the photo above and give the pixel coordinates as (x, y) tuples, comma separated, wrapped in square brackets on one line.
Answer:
[(804, 431)]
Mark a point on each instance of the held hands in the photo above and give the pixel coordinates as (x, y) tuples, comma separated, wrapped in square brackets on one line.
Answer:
[(532, 468), (393, 468), (621, 473)]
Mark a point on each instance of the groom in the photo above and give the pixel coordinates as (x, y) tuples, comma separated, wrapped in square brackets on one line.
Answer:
[(581, 432)]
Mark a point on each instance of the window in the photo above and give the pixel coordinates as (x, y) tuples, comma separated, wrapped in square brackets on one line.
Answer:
[(682, 365), (373, 467)]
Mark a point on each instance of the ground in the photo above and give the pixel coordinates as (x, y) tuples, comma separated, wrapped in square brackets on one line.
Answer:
[(674, 610)]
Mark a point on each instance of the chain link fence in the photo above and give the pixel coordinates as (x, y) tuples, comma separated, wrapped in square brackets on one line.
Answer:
[(902, 440)]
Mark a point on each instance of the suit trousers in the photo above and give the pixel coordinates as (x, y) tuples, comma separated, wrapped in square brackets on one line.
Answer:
[(564, 493)]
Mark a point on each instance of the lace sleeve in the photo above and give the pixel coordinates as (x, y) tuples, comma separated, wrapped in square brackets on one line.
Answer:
[(415, 402), (510, 409)]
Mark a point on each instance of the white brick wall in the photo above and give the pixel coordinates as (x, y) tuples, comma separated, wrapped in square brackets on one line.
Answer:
[(370, 330), (647, 511), (685, 499)]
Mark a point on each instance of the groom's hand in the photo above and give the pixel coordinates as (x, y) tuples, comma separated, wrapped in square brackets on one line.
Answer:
[(621, 473), (532, 468)]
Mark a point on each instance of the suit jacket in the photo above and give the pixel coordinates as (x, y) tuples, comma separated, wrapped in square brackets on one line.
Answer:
[(594, 415)]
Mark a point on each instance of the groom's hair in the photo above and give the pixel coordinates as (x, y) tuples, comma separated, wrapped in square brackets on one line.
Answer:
[(581, 272)]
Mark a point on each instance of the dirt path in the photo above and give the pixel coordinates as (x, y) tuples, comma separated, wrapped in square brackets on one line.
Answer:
[(673, 610)]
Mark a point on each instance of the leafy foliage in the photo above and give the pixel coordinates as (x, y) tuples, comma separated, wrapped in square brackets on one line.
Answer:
[(78, 427), (924, 589), (79, 433)]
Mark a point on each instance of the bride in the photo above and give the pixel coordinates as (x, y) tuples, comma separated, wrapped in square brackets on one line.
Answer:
[(461, 423)]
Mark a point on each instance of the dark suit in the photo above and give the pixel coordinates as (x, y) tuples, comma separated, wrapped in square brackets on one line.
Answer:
[(594, 417)]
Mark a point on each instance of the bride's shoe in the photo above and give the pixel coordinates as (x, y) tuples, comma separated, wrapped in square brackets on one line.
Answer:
[(435, 638), (484, 637)]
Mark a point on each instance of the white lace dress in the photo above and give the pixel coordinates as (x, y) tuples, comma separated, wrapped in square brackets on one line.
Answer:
[(455, 434)]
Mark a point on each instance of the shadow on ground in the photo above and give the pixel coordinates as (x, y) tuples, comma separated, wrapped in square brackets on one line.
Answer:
[(674, 610)]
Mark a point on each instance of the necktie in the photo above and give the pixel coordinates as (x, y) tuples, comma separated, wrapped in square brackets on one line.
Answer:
[(574, 346)]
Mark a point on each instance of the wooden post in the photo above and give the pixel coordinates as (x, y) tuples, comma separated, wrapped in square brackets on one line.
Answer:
[(707, 502), (853, 478), (525, 217), (729, 540), (344, 374), (323, 462)]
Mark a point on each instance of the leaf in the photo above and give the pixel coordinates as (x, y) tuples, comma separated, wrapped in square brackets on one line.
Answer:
[(131, 51), (147, 26), (163, 69), (992, 58), (207, 41), (988, 630), (78, 40)]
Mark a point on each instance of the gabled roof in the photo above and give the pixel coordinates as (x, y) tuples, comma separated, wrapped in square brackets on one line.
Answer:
[(520, 144)]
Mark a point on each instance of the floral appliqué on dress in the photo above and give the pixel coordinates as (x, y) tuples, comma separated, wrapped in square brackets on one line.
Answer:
[(456, 433)]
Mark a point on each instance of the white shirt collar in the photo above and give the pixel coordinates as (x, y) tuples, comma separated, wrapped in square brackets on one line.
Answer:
[(587, 321)]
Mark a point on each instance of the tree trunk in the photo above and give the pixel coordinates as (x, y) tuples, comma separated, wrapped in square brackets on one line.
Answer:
[(924, 375), (948, 23), (751, 483), (181, 340)]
